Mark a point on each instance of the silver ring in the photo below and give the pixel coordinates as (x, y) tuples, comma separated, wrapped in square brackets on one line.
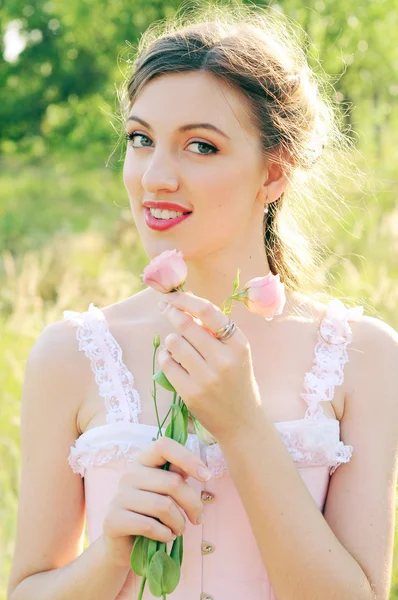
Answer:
[(225, 332)]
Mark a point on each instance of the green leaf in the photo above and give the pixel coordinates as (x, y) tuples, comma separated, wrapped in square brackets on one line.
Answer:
[(170, 427), (177, 550), (179, 427), (169, 431), (164, 574), (162, 380), (139, 553), (153, 546), (176, 429)]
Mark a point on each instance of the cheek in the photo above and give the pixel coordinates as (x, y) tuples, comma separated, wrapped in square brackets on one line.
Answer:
[(134, 167), (222, 191), (129, 174), (213, 185), (132, 183)]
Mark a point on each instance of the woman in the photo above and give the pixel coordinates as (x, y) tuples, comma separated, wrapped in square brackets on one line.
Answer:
[(225, 125)]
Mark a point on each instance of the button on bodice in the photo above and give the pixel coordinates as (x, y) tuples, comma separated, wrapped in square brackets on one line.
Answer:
[(206, 496), (207, 548)]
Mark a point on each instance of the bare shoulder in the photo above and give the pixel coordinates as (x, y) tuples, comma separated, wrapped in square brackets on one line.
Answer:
[(57, 342), (56, 363), (58, 348), (374, 341), (373, 362), (370, 330)]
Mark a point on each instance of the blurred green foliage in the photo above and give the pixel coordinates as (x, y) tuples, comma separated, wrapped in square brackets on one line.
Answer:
[(66, 231)]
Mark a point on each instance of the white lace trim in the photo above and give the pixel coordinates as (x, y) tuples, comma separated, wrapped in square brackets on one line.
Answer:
[(115, 381), (310, 443), (330, 356), (103, 444), (317, 446), (80, 460)]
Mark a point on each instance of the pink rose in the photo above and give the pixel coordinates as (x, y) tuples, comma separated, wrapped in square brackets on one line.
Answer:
[(166, 272), (265, 296)]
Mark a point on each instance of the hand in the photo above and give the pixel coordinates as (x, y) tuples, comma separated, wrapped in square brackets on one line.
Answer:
[(147, 493), (215, 379)]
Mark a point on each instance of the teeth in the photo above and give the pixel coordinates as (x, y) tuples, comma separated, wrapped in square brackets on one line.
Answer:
[(164, 214)]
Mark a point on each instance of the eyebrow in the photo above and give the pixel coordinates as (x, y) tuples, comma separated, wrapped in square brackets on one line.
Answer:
[(183, 128)]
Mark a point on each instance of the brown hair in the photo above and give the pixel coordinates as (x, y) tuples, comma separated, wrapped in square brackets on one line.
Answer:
[(258, 53)]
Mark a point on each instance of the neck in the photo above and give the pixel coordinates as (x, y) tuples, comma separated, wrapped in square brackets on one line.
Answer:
[(212, 278)]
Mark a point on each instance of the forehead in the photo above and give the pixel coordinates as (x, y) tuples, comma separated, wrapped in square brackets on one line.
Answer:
[(174, 99)]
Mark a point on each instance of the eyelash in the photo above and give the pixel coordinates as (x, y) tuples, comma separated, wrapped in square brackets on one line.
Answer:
[(133, 135)]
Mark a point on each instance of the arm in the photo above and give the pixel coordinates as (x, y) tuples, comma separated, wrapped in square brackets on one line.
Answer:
[(345, 554), (88, 577), (48, 560)]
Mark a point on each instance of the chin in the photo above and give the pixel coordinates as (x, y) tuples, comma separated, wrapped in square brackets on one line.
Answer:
[(155, 247)]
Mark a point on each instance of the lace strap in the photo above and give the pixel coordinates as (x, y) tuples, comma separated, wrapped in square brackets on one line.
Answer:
[(334, 334), (115, 381)]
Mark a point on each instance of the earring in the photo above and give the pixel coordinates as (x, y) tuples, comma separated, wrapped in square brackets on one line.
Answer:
[(266, 206)]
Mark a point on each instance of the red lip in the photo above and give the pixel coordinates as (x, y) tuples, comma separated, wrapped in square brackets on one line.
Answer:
[(165, 206)]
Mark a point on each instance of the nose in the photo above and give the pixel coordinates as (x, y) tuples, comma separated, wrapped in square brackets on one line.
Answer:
[(160, 173)]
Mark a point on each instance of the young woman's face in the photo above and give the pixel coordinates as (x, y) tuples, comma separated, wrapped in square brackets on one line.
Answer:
[(214, 170)]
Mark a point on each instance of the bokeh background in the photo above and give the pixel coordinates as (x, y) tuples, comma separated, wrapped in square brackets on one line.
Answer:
[(66, 232)]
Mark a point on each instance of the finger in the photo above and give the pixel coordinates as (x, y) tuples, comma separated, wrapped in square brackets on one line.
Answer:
[(175, 469), (203, 344), (164, 449), (182, 364), (163, 482), (125, 522), (155, 505), (208, 313)]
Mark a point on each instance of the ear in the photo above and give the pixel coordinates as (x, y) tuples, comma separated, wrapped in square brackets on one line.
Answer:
[(275, 182)]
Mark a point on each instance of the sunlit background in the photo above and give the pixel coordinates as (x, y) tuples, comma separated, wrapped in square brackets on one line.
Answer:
[(66, 232)]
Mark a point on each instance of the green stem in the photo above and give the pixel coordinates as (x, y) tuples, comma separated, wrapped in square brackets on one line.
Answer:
[(240, 297), (154, 393), (172, 414), (142, 586), (164, 420)]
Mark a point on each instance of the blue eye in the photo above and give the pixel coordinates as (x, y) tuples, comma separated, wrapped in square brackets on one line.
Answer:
[(131, 137), (213, 150)]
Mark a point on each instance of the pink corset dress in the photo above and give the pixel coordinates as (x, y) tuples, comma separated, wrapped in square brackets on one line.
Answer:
[(221, 558)]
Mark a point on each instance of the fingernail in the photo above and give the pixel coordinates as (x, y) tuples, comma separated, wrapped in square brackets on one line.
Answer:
[(200, 518), (203, 473)]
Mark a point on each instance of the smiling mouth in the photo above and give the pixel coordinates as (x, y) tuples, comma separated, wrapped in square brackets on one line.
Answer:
[(160, 224)]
